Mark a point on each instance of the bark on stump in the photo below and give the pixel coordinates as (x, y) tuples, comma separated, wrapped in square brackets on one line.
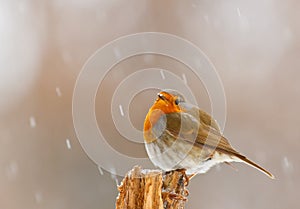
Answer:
[(147, 189)]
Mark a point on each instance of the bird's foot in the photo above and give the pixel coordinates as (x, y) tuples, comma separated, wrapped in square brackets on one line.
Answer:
[(186, 177)]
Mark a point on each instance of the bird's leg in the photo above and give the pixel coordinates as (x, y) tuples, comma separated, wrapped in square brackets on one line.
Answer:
[(191, 176), (186, 177)]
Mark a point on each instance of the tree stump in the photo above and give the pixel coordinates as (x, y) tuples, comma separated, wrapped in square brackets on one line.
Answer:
[(148, 189)]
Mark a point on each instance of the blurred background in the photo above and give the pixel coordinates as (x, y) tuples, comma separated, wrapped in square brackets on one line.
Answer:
[(254, 45)]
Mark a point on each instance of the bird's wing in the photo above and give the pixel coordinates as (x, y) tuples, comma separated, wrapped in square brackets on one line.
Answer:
[(203, 117), (185, 127), (207, 120)]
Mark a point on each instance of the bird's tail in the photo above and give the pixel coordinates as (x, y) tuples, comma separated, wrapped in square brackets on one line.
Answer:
[(254, 165)]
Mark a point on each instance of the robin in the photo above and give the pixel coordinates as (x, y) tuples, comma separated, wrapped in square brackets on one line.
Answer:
[(179, 135)]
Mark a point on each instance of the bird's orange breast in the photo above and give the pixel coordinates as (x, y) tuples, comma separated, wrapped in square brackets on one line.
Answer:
[(158, 109)]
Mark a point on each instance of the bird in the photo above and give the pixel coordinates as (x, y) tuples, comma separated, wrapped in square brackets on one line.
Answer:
[(180, 136)]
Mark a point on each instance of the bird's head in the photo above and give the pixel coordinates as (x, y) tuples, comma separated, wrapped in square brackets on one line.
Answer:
[(168, 101)]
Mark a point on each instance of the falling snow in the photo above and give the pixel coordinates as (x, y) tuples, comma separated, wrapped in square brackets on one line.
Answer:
[(32, 122), (184, 78), (100, 170), (38, 197), (113, 176), (162, 74), (68, 144), (121, 110), (238, 11), (58, 92), (117, 53), (12, 170), (287, 165)]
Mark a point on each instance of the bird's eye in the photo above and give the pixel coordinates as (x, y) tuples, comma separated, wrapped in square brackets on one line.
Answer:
[(177, 101)]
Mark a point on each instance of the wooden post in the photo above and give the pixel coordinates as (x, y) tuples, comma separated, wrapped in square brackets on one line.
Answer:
[(148, 189)]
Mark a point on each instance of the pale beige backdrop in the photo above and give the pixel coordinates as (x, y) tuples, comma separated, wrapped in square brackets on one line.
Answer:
[(255, 46)]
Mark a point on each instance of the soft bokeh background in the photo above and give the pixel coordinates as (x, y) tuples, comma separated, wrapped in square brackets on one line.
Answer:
[(255, 46)]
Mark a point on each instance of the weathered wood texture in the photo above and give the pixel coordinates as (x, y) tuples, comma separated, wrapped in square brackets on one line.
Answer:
[(148, 189)]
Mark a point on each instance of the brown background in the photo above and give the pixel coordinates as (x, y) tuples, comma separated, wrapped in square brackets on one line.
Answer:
[(255, 47)]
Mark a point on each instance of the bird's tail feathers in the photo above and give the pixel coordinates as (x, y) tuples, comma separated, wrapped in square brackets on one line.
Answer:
[(254, 165)]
